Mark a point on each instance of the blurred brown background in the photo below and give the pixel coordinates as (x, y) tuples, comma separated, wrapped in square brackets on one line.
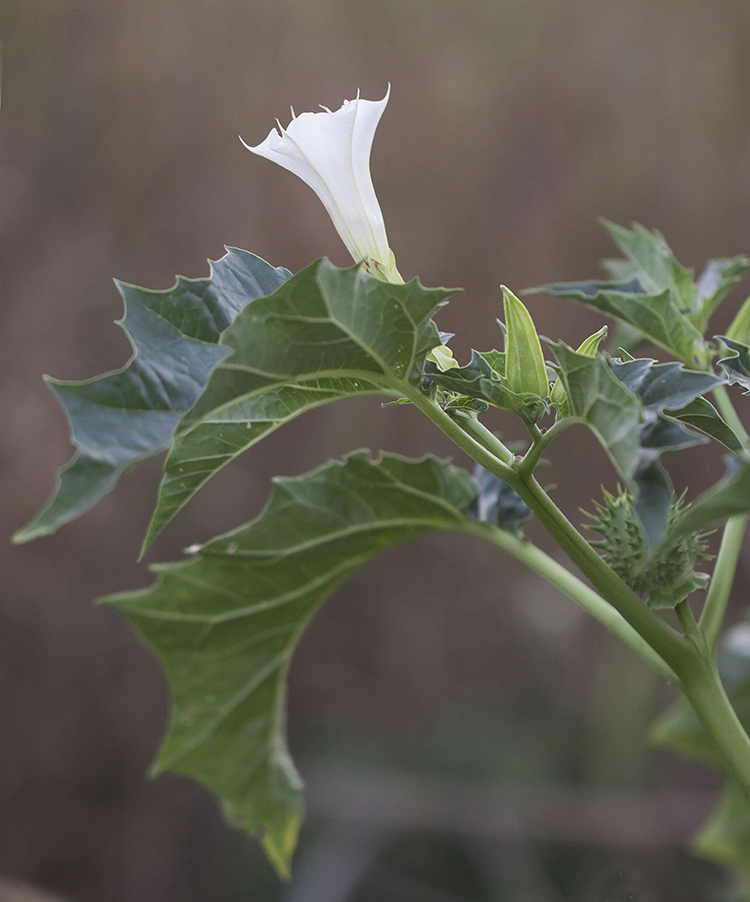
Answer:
[(441, 676)]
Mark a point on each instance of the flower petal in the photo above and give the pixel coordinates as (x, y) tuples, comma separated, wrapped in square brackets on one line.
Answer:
[(330, 151)]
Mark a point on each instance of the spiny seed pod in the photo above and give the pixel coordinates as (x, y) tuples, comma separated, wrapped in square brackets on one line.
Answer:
[(666, 577), (525, 369), (589, 347)]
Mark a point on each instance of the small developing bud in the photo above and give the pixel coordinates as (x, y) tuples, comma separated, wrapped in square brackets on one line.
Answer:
[(525, 369), (589, 347)]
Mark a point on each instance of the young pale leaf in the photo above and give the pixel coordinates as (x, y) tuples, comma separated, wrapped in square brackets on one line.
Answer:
[(598, 398), (589, 346), (129, 414), (725, 838), (225, 624), (482, 378), (326, 334)]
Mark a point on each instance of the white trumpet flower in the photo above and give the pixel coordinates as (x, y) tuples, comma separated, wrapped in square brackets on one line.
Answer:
[(330, 151)]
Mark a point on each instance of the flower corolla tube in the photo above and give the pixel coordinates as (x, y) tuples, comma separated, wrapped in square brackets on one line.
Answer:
[(330, 151)]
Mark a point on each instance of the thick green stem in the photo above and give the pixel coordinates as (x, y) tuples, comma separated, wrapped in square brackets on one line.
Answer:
[(476, 450), (689, 656), (662, 638), (702, 685), (482, 434), (531, 458), (583, 595)]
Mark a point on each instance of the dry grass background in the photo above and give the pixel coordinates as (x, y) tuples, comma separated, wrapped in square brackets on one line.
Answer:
[(513, 124)]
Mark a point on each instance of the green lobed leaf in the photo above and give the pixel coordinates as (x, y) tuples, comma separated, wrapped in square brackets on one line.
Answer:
[(124, 416), (599, 399), (326, 334), (225, 623), (663, 386), (651, 259)]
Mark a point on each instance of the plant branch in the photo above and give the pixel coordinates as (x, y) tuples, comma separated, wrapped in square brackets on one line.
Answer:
[(662, 638), (583, 595), (531, 458), (470, 423)]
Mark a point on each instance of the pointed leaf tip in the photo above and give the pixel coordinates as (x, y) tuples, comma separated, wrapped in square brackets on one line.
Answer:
[(226, 622)]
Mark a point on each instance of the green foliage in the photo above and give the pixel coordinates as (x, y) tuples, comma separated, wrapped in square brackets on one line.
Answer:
[(702, 415), (598, 398), (497, 503), (661, 387), (664, 576), (725, 838), (326, 334), (226, 622), (483, 379), (651, 292), (589, 348), (129, 414)]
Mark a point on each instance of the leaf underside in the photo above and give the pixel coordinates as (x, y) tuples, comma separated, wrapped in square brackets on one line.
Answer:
[(127, 415), (226, 622)]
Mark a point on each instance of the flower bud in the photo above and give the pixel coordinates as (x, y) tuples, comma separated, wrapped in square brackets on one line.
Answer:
[(525, 369)]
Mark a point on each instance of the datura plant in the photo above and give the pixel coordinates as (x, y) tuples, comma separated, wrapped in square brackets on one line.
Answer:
[(220, 363)]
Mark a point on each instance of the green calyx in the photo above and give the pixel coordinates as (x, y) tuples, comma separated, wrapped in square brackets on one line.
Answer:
[(525, 369), (664, 576)]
